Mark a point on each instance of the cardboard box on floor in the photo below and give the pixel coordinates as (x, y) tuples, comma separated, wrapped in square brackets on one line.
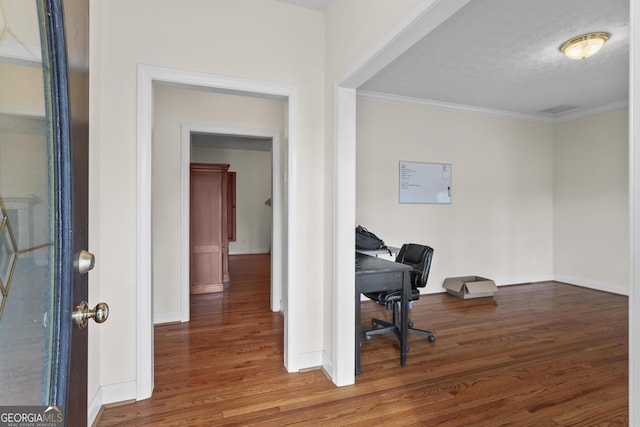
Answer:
[(470, 286)]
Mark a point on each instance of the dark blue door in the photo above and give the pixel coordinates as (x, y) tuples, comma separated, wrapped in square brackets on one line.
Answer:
[(44, 88)]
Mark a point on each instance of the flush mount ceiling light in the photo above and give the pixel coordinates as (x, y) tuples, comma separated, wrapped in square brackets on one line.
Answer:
[(584, 46)]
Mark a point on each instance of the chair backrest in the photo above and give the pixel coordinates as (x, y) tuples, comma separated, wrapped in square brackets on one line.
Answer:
[(418, 257)]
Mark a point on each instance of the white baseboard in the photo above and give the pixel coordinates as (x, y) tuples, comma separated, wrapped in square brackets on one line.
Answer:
[(170, 317), (522, 280), (249, 251), (95, 405), (310, 360), (327, 364), (110, 394), (600, 286)]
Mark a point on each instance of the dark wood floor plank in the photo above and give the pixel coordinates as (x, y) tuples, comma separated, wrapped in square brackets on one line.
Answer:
[(543, 354)]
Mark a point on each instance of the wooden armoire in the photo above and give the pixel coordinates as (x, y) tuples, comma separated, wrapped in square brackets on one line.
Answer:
[(209, 226)]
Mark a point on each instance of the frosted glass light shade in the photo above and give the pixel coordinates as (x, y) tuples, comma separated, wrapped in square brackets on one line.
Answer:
[(584, 46)]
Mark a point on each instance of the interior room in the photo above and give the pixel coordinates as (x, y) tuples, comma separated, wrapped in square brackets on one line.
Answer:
[(552, 132), (541, 152), (324, 171)]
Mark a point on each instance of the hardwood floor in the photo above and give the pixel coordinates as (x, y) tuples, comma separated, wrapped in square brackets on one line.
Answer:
[(544, 354)]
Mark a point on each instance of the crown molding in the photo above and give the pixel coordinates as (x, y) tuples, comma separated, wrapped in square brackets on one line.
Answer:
[(446, 106), (482, 111)]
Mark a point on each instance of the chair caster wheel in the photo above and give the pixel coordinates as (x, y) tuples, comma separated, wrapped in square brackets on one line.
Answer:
[(367, 337), (432, 338)]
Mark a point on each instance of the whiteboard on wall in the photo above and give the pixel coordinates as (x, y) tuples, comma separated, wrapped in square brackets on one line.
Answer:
[(425, 182)]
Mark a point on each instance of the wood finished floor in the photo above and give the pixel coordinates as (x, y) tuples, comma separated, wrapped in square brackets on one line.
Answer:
[(544, 354)]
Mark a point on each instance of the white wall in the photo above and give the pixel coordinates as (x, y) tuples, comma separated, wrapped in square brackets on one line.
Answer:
[(253, 188), (530, 201), (591, 201), (499, 224), (259, 40)]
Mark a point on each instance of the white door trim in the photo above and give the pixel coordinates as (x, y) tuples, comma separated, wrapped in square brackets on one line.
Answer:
[(634, 213), (276, 205), (148, 76)]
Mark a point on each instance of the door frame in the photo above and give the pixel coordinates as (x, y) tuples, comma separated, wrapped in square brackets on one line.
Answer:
[(420, 19), (147, 77), (634, 212), (276, 216)]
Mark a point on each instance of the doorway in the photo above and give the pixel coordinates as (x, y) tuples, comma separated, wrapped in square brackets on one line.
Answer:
[(148, 78), (261, 139)]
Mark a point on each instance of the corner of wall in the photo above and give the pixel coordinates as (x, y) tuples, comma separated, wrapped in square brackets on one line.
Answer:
[(113, 393)]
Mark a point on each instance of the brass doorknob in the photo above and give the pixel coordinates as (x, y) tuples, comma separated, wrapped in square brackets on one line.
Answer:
[(83, 313)]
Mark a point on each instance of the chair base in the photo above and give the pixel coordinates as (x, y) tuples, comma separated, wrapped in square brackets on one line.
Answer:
[(388, 327)]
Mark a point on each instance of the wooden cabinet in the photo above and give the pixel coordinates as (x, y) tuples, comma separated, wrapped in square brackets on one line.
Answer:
[(208, 229)]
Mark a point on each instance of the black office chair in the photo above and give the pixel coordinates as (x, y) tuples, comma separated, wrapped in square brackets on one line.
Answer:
[(419, 257)]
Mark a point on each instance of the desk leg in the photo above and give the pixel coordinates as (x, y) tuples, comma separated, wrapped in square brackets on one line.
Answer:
[(404, 317), (357, 324)]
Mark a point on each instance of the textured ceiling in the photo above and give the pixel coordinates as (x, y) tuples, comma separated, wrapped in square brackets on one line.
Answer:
[(503, 55)]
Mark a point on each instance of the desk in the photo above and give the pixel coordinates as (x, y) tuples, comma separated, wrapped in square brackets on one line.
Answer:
[(376, 274), (390, 250)]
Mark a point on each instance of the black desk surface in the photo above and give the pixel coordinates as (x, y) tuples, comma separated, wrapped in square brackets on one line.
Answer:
[(370, 264)]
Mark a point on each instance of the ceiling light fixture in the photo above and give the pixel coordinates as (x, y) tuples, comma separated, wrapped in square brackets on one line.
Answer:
[(584, 46)]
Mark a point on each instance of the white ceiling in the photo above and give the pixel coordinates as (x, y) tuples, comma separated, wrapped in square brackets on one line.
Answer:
[(503, 55)]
